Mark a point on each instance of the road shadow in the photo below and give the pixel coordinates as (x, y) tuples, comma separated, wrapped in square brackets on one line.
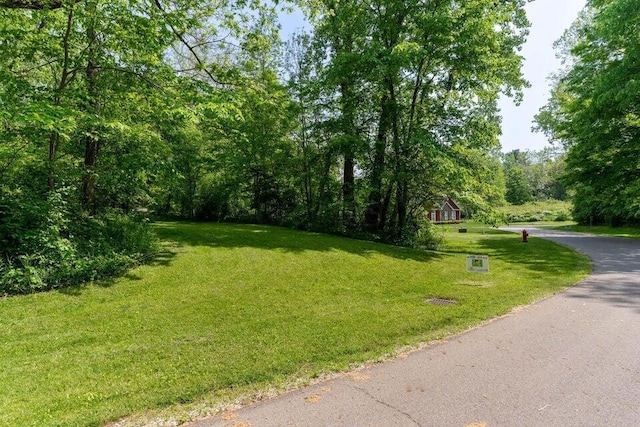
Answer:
[(617, 289), (616, 273), (615, 278)]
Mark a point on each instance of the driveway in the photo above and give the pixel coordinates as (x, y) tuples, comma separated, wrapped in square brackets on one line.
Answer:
[(570, 360)]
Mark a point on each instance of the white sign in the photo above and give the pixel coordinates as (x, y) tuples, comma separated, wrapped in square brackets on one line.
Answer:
[(478, 263)]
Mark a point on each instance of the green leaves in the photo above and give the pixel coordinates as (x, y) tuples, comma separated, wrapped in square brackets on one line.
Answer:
[(414, 87), (178, 107), (594, 110), (120, 103)]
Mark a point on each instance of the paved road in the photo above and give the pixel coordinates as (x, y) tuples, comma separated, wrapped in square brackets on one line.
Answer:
[(570, 360)]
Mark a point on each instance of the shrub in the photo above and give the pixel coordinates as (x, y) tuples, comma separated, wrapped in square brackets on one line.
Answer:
[(551, 210), (417, 234), (563, 216), (47, 244)]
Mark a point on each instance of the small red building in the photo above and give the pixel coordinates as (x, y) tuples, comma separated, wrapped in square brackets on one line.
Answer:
[(445, 211)]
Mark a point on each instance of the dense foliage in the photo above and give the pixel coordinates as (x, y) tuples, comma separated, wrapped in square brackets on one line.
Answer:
[(534, 175), (595, 111), (109, 110), (114, 110), (399, 101), (548, 210)]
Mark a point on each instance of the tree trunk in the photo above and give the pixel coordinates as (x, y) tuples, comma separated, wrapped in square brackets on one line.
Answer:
[(92, 143), (401, 206), (306, 169), (348, 193), (89, 178), (323, 194), (51, 172), (92, 146), (343, 45), (65, 76), (374, 215), (349, 139)]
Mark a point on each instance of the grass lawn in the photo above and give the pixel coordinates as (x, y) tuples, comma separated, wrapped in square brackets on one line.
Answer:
[(633, 232), (544, 211), (549, 225), (231, 311)]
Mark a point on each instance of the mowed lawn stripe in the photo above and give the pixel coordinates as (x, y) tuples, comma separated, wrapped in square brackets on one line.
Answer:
[(230, 308)]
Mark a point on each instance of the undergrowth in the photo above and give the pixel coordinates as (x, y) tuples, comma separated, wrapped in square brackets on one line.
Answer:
[(47, 244)]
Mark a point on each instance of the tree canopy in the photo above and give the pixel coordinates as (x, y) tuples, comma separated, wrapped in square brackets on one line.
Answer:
[(112, 111), (595, 111), (534, 175)]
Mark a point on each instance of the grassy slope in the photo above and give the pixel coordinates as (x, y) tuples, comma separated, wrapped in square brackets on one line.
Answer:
[(549, 210), (632, 232), (238, 307)]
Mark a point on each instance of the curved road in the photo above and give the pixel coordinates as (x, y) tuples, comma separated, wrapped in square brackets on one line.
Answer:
[(570, 360)]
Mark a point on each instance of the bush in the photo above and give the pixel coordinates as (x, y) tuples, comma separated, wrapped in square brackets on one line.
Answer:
[(550, 210), (418, 234), (563, 216), (46, 244), (429, 236)]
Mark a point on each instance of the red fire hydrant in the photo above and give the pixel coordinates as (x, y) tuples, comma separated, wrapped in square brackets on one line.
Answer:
[(525, 235)]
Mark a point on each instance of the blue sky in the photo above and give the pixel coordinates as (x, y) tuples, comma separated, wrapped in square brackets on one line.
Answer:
[(549, 19)]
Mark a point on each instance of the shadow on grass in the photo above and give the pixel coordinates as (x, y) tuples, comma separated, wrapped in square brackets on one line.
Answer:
[(222, 235), (77, 289), (160, 258), (537, 255)]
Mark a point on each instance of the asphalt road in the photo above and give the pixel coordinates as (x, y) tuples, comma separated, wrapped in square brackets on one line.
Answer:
[(570, 360)]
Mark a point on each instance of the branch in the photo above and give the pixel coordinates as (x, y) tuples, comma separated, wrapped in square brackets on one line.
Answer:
[(191, 48), (4, 168), (137, 74), (26, 71), (32, 4)]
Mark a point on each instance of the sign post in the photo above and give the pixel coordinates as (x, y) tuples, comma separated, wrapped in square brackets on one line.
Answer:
[(478, 263)]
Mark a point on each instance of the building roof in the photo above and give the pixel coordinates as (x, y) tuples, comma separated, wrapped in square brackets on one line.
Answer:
[(452, 204)]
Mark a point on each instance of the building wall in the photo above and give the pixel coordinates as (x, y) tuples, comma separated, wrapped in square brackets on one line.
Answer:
[(447, 213)]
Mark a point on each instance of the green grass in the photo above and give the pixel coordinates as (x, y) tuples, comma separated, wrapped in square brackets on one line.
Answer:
[(233, 310), (632, 232), (549, 210)]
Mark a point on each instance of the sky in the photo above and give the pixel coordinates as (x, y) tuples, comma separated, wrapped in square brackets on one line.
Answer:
[(549, 19)]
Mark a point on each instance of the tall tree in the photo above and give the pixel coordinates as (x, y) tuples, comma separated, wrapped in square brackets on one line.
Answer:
[(534, 175), (95, 98), (426, 76), (315, 133), (343, 30), (517, 165), (595, 111)]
